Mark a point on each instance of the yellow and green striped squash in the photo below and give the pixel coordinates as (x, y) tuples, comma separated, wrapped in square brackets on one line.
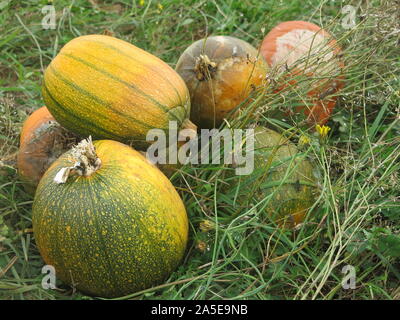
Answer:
[(118, 231), (110, 89)]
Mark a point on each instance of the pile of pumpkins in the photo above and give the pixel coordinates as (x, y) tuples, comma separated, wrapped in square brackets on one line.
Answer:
[(110, 222)]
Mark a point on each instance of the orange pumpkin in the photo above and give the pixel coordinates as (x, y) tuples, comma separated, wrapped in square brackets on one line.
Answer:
[(42, 141), (33, 122), (220, 72), (299, 47)]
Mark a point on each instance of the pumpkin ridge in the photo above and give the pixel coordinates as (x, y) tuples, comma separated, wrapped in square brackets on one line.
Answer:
[(127, 84), (214, 54), (92, 192), (131, 86), (60, 107), (60, 235), (103, 182), (50, 202), (83, 220), (142, 227), (95, 98), (135, 60)]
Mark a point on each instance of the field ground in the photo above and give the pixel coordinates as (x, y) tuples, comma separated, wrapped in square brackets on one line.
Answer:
[(356, 219)]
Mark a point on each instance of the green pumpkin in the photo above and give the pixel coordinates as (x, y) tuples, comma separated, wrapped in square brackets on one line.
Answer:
[(283, 179), (112, 230)]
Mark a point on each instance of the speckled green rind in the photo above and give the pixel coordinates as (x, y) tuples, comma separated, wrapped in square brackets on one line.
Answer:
[(121, 230), (282, 176)]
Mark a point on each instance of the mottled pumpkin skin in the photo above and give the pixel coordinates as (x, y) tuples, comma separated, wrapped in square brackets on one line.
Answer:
[(42, 141), (33, 123), (239, 69), (293, 41), (282, 174), (107, 88), (121, 230)]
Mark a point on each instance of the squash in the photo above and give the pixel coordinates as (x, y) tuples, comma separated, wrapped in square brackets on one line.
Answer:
[(283, 179), (108, 221), (34, 123), (110, 89), (220, 73), (298, 47), (42, 141)]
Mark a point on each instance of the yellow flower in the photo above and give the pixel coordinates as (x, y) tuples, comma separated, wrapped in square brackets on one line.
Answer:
[(141, 3), (322, 131), (206, 225), (304, 140), (160, 6)]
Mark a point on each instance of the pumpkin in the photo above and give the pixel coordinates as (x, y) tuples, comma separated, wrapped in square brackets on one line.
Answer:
[(220, 73), (108, 221), (283, 179), (42, 141), (110, 89), (303, 48)]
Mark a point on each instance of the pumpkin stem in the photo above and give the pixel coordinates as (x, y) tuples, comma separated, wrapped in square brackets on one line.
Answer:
[(204, 67), (86, 162)]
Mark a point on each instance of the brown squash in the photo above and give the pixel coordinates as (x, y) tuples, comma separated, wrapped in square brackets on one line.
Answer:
[(42, 141)]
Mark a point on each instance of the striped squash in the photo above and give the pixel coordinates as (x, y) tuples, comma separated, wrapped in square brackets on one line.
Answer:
[(117, 227), (107, 88)]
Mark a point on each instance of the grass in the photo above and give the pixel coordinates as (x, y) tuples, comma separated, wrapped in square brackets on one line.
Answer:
[(354, 221)]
